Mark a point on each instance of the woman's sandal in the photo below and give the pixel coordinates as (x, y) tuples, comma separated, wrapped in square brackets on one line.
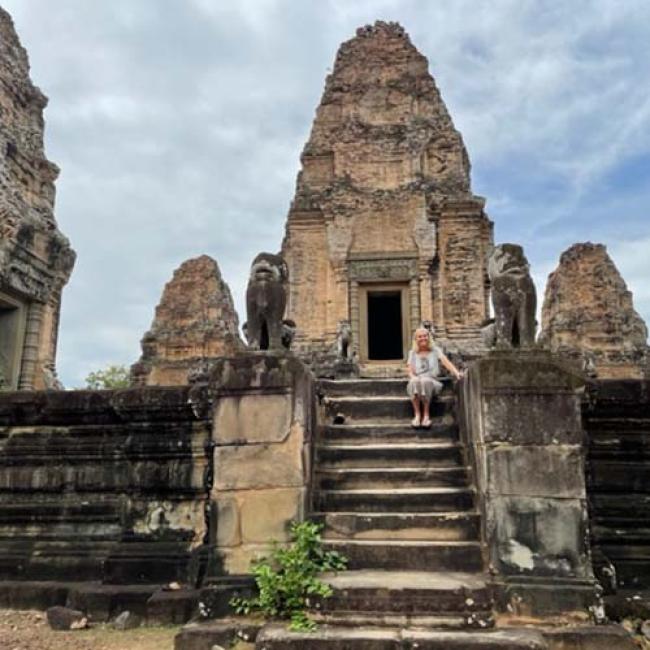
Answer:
[(415, 422), (426, 423)]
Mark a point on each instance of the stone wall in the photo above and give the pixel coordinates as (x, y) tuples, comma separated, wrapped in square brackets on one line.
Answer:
[(384, 179), (588, 313), (195, 321), (617, 421), (520, 420), (106, 486), (35, 258), (263, 423)]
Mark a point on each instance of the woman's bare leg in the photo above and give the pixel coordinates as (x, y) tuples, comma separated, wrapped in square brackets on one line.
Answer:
[(425, 409), (416, 410)]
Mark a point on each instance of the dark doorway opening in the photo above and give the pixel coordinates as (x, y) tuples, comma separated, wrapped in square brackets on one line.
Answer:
[(385, 325)]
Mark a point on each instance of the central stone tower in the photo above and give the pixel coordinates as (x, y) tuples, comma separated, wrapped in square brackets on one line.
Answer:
[(384, 231)]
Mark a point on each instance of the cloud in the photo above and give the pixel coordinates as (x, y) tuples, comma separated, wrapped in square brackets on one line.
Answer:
[(178, 127)]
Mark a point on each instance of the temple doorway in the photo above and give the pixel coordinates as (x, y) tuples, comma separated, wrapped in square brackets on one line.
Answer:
[(12, 334), (384, 322)]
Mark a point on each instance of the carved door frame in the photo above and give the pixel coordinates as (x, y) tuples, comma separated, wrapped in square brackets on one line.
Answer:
[(374, 271)]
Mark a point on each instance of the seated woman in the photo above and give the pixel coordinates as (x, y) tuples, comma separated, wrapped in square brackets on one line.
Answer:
[(423, 369)]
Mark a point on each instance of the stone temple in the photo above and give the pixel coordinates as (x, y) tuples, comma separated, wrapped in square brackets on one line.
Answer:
[(35, 258), (519, 521), (384, 230)]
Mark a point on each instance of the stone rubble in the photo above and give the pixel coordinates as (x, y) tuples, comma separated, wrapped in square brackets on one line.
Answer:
[(64, 618)]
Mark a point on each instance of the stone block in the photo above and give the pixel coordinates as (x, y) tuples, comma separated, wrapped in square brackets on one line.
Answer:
[(64, 618), (236, 634), (252, 419), (237, 560), (532, 418), (257, 371), (172, 607), (553, 601), (532, 372), (266, 514), (535, 536), (590, 637), (127, 621), (536, 471), (228, 522), (243, 467)]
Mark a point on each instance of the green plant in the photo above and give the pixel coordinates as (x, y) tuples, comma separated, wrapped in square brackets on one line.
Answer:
[(110, 378), (289, 577)]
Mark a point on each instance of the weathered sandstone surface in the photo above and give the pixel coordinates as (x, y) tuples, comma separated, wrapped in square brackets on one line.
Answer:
[(195, 321), (588, 312), (384, 196), (35, 258)]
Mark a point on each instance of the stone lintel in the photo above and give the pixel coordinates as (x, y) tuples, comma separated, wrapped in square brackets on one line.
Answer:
[(454, 208)]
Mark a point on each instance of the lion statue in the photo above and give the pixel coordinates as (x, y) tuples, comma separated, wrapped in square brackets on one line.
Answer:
[(513, 297), (266, 298), (344, 339)]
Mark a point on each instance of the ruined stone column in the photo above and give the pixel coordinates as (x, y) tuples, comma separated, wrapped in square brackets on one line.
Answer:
[(520, 418), (463, 236)]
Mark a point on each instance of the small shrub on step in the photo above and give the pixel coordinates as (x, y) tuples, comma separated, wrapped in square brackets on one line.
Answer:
[(289, 577)]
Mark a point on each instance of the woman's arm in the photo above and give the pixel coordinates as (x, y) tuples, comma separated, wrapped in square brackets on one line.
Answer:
[(449, 365), (410, 365)]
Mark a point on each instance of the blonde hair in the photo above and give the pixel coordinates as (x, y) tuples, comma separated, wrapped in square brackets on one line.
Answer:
[(429, 339)]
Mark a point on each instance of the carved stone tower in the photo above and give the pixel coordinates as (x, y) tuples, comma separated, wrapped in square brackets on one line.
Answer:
[(35, 258), (384, 230)]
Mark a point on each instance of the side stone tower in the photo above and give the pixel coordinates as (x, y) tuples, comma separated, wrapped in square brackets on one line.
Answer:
[(35, 258), (588, 312), (195, 321), (384, 231)]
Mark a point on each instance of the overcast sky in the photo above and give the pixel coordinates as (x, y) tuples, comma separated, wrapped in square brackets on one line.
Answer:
[(178, 126)]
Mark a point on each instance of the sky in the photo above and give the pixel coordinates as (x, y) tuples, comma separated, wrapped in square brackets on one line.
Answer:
[(178, 126)]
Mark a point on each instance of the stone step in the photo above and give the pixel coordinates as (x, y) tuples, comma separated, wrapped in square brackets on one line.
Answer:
[(418, 454), (622, 531), (418, 499), (381, 408), (624, 426), (393, 620), (54, 511), (442, 428), (620, 475), (384, 370), (407, 592), (409, 555), (222, 633), (630, 505), (623, 453), (389, 477), (451, 526), (371, 637), (395, 387)]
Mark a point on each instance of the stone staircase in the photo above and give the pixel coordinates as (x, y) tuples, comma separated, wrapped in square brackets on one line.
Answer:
[(399, 503), (617, 420)]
